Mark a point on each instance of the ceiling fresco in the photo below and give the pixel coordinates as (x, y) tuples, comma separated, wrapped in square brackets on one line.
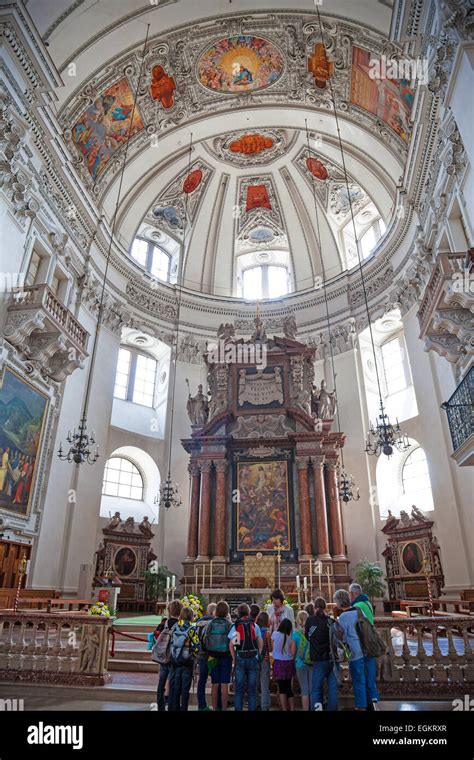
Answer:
[(240, 64)]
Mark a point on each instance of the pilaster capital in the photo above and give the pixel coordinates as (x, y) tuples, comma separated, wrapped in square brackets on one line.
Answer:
[(332, 465), (205, 466), (221, 465), (194, 469), (318, 460), (302, 462)]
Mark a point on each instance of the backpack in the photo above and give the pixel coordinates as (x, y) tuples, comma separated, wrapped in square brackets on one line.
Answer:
[(303, 649), (247, 638), (201, 626), (215, 638), (180, 645), (372, 644), (161, 652)]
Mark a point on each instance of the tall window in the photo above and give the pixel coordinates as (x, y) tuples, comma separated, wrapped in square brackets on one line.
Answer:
[(416, 480), (264, 282), (123, 479), (152, 258), (395, 366), (32, 272), (135, 377)]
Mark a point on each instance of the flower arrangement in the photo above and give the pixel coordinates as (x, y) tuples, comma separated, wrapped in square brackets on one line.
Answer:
[(100, 609), (190, 600), (269, 602)]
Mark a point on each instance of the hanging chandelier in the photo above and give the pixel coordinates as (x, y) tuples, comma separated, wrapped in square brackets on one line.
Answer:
[(80, 442), (348, 490), (382, 437), (80, 447), (169, 494), (346, 485)]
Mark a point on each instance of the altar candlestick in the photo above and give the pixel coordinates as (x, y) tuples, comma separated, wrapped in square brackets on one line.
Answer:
[(298, 584), (311, 580), (210, 575), (305, 584), (195, 579), (167, 583), (21, 571), (328, 573), (204, 576)]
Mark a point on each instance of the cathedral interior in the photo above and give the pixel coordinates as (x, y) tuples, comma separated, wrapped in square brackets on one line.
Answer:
[(236, 327)]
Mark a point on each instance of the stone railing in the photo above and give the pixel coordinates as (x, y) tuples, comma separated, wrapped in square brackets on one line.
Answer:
[(425, 656), (45, 332), (54, 648)]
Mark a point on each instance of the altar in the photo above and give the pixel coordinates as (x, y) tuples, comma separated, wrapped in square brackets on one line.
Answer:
[(264, 469), (236, 596)]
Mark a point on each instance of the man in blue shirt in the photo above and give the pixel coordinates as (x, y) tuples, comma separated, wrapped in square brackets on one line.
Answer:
[(245, 646), (363, 669)]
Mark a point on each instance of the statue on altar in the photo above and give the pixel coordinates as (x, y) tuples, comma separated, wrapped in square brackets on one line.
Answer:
[(114, 522), (259, 334), (226, 332), (197, 407), (145, 527), (324, 402), (289, 327)]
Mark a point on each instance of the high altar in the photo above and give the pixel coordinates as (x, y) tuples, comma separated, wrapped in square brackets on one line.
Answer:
[(264, 470)]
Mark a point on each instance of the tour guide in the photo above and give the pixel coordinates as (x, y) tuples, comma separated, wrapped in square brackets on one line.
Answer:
[(277, 611)]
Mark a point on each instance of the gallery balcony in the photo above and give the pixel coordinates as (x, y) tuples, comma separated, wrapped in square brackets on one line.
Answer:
[(459, 410), (45, 332), (445, 313)]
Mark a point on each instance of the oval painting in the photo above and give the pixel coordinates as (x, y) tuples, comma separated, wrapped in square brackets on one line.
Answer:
[(192, 181), (261, 235), (412, 557), (240, 64), (125, 561)]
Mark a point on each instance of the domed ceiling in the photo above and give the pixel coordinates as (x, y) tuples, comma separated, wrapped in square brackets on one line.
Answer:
[(235, 146)]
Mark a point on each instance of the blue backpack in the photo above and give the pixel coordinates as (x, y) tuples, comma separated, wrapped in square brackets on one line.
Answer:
[(215, 638), (180, 645)]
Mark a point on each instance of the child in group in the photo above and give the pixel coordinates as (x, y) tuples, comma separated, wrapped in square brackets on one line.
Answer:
[(283, 653), (184, 650), (263, 622), (304, 668)]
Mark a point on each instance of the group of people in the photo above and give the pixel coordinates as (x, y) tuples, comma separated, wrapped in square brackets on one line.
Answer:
[(259, 645)]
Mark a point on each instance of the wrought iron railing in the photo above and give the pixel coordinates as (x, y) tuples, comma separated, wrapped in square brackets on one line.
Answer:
[(460, 411)]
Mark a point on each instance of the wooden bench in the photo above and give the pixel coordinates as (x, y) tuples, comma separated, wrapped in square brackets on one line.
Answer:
[(8, 595)]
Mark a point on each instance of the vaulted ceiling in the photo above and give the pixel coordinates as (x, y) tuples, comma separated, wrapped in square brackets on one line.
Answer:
[(274, 130)]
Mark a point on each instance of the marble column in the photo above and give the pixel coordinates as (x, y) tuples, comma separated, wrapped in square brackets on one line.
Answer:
[(193, 529), (335, 514), (322, 533), (204, 527), (305, 512), (219, 516)]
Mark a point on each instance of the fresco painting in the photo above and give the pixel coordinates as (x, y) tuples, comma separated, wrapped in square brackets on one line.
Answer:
[(389, 99), (192, 181), (22, 412), (104, 127), (162, 87), (240, 64), (257, 197), (320, 66), (317, 168), (263, 516)]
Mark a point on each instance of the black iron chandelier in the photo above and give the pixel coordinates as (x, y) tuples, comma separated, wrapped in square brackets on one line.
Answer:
[(382, 437), (80, 447), (348, 490), (80, 442), (169, 494)]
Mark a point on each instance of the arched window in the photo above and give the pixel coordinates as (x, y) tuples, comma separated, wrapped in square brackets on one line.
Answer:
[(264, 282), (123, 479), (152, 258), (416, 481), (136, 377)]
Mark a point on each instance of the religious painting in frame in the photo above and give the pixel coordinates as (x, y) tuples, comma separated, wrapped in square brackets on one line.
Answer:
[(389, 99), (125, 562), (263, 509), (412, 557), (242, 63), (22, 415), (105, 125)]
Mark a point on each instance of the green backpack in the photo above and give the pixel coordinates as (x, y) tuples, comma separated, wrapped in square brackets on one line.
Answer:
[(372, 644), (303, 649)]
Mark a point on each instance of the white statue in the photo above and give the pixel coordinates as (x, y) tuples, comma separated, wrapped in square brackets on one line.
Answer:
[(198, 407), (327, 403)]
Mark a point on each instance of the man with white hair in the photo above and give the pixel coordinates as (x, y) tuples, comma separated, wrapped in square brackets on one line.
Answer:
[(363, 668), (361, 601)]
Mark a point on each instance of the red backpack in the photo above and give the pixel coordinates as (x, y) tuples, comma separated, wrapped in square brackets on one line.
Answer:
[(246, 645)]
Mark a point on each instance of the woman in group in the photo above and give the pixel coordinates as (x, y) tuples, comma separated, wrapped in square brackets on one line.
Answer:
[(263, 622), (304, 668), (321, 634), (283, 652)]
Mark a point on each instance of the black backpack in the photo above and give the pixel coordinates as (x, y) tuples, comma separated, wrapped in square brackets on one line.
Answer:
[(247, 646)]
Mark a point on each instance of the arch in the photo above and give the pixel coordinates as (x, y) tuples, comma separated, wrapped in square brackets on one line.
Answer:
[(394, 490), (151, 479)]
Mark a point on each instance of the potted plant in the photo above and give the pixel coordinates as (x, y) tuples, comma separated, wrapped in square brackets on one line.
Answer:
[(370, 578)]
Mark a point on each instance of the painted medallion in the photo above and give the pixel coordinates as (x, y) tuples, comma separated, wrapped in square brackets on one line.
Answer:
[(240, 64)]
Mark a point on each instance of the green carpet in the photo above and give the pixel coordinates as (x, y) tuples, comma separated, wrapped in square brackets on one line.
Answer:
[(151, 620)]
